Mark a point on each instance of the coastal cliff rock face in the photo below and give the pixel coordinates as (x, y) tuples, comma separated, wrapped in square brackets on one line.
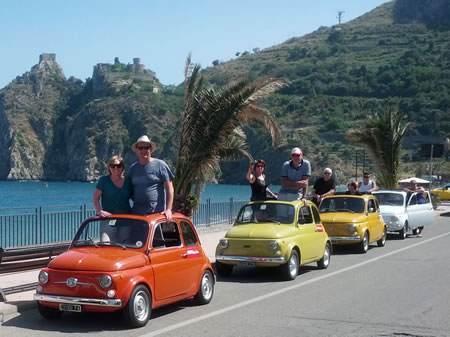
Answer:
[(57, 129), (27, 108)]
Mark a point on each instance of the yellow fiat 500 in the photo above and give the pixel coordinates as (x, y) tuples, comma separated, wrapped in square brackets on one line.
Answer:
[(353, 219), (284, 234), (442, 193)]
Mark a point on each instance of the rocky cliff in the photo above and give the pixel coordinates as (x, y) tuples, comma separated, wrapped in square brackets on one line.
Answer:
[(63, 129)]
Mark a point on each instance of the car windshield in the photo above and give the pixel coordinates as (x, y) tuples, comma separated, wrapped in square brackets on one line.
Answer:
[(390, 199), (124, 233), (342, 204), (266, 213)]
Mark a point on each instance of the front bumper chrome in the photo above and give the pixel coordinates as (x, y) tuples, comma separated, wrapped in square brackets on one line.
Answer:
[(345, 238), (255, 259), (101, 302)]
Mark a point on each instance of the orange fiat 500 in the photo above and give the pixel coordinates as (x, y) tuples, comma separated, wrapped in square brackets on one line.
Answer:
[(127, 263)]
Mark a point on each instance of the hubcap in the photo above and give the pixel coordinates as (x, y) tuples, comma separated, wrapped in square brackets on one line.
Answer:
[(326, 256), (207, 286), (140, 306), (293, 265), (366, 242)]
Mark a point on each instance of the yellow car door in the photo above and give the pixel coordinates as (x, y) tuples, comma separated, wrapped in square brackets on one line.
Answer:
[(307, 235), (373, 220)]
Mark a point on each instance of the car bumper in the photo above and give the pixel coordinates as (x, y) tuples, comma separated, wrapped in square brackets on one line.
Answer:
[(254, 259), (101, 302), (338, 239)]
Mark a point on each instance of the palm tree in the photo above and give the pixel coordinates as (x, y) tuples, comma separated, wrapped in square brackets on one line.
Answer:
[(211, 128), (381, 136)]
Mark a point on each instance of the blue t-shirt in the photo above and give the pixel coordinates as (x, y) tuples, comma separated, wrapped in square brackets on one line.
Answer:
[(114, 199), (147, 181), (295, 173)]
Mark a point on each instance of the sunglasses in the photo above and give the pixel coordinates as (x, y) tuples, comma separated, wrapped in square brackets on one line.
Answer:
[(143, 147), (116, 166), (327, 173), (295, 155), (259, 165)]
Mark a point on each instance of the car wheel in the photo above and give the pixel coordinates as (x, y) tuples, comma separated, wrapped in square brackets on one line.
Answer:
[(224, 270), (291, 268), (49, 313), (403, 232), (206, 289), (416, 231), (420, 229), (139, 307), (364, 244), (324, 262), (382, 241)]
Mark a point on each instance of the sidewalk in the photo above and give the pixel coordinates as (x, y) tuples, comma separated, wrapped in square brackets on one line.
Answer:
[(24, 300)]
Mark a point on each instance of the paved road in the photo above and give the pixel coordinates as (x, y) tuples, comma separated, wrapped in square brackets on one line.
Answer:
[(399, 290)]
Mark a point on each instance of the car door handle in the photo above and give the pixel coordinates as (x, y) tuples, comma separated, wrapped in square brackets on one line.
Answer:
[(185, 255)]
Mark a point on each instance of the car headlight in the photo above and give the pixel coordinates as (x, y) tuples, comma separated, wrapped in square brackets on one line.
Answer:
[(274, 245), (393, 220), (43, 277), (223, 243), (352, 227), (105, 281)]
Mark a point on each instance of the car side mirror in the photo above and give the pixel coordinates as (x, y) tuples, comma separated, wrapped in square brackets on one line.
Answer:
[(371, 209)]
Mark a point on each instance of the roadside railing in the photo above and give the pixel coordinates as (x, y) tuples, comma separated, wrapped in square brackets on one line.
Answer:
[(45, 225)]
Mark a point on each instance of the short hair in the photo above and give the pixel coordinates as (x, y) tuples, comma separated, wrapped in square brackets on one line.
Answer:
[(327, 169)]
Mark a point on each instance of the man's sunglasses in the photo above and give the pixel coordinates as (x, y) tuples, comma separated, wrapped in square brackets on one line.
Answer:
[(143, 147)]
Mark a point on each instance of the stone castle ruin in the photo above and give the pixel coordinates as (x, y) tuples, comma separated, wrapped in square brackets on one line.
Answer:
[(118, 76)]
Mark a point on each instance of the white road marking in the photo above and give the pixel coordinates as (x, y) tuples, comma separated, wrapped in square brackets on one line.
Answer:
[(286, 289)]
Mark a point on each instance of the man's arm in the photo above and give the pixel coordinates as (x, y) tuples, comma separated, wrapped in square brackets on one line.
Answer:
[(168, 186), (293, 185)]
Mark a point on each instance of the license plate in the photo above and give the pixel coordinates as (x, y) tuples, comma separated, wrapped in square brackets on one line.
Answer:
[(247, 264), (70, 307)]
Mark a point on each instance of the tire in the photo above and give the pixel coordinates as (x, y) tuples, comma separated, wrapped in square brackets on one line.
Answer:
[(416, 231), (324, 262), (206, 289), (403, 232), (363, 246), (290, 269), (382, 241), (420, 229), (224, 270), (139, 307), (49, 313)]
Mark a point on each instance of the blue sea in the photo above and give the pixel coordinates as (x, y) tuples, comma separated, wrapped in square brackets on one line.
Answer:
[(32, 194)]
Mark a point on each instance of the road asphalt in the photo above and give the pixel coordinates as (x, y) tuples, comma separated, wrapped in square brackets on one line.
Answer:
[(24, 301)]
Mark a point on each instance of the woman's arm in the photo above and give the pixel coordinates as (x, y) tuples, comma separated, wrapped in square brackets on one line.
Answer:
[(250, 176), (96, 200)]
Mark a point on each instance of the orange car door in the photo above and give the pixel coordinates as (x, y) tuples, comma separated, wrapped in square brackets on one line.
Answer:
[(168, 261), (192, 253)]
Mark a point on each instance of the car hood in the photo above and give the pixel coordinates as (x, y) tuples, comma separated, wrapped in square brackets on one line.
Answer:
[(261, 231), (390, 210), (336, 217), (99, 259)]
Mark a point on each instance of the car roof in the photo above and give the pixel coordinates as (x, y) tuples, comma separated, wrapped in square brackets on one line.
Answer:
[(293, 203), (394, 191), (154, 217), (343, 195)]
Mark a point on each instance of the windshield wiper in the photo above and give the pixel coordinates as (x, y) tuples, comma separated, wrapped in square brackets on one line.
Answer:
[(272, 220), (345, 210), (87, 242)]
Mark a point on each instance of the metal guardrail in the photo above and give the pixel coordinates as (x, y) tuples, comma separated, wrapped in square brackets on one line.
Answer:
[(44, 225)]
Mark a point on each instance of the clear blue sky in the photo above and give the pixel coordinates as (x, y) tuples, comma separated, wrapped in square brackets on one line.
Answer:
[(160, 32)]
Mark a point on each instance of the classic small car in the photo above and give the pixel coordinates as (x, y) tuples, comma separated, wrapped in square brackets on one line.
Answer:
[(443, 192), (127, 263), (275, 234), (405, 212), (353, 219)]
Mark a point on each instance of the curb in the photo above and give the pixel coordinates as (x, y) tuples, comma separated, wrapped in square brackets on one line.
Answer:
[(15, 307)]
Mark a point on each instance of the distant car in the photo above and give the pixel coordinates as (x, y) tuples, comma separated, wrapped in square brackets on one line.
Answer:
[(284, 234), (129, 264), (353, 219), (405, 212), (442, 192)]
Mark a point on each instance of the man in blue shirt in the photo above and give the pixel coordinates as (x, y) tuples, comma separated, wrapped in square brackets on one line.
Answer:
[(151, 180), (295, 175)]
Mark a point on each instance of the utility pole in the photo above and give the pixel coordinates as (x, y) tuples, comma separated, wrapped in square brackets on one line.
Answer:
[(339, 16), (431, 165)]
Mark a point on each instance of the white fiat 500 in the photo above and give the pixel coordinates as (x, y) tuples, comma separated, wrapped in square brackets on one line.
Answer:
[(404, 212)]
